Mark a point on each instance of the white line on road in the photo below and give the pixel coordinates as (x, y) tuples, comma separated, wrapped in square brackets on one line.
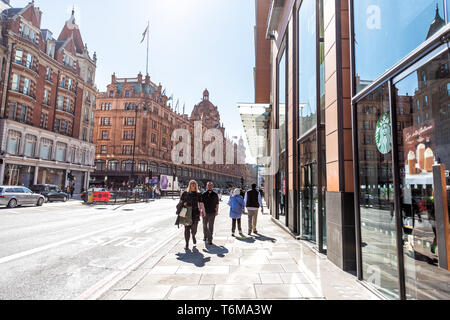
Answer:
[(56, 244)]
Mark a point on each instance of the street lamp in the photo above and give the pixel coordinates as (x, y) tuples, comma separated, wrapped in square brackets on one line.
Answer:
[(145, 106)]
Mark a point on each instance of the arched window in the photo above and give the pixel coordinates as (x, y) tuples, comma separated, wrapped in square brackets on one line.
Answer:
[(113, 165), (100, 165), (163, 169), (142, 166), (127, 166), (153, 167)]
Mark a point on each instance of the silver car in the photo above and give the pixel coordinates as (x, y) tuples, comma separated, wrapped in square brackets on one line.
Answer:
[(12, 197)]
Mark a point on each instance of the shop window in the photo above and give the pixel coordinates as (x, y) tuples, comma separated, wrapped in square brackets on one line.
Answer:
[(61, 149), (46, 148), (100, 165), (113, 165), (376, 196), (424, 157), (30, 145), (14, 138)]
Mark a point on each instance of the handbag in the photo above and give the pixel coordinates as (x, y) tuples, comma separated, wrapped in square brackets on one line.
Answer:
[(187, 219), (183, 212)]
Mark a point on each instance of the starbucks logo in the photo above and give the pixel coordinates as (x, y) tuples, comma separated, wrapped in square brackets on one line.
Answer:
[(383, 134)]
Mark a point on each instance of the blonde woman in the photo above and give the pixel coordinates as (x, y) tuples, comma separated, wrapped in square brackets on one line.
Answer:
[(192, 198)]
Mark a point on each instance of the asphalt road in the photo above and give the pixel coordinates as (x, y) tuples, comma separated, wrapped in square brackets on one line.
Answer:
[(60, 250)]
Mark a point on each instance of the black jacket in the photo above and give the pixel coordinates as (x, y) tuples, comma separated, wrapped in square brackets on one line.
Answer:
[(192, 199), (210, 201)]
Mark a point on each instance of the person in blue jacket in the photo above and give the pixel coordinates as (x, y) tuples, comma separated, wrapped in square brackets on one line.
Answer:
[(237, 207)]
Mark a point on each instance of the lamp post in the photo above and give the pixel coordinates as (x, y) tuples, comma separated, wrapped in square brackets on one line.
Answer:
[(145, 106)]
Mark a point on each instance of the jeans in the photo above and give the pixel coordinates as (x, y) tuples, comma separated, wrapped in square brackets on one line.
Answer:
[(188, 230), (252, 220), (208, 226), (238, 221)]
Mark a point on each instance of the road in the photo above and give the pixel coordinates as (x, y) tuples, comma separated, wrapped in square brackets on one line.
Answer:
[(60, 250)]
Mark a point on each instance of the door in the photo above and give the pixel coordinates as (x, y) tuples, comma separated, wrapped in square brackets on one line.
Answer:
[(309, 202)]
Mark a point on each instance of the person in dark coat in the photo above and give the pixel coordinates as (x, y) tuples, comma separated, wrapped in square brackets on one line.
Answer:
[(192, 198), (211, 204)]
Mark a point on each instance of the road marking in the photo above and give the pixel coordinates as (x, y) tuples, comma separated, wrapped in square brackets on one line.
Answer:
[(53, 245), (101, 287)]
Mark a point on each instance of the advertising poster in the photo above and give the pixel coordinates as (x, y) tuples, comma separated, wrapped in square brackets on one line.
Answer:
[(155, 180), (419, 148), (166, 183)]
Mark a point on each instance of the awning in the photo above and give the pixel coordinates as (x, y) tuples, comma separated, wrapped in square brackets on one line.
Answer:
[(255, 119)]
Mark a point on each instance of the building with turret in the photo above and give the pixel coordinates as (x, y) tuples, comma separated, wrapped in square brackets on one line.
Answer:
[(47, 102), (134, 125)]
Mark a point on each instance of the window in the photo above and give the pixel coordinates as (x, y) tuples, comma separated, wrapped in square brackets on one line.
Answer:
[(142, 166), (113, 165), (19, 56), (46, 97), (111, 94), (60, 103), (103, 149), (153, 138), (129, 121), (73, 152), (83, 157), (23, 114), (128, 150), (46, 149), (58, 125), (105, 135), (44, 120), (106, 121), (127, 94), (15, 82), (68, 105), (91, 135), (48, 74), (29, 62), (100, 165), (30, 145), (50, 49), (69, 84), (14, 138), (128, 135), (63, 82), (61, 149), (84, 137), (26, 86), (154, 124)]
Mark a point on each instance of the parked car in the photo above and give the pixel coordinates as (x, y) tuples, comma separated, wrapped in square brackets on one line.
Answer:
[(50, 192), (11, 197), (219, 193)]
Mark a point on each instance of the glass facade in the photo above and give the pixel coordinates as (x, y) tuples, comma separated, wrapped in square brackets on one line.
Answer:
[(16, 175), (403, 159), (396, 27), (423, 115), (281, 183), (307, 67), (376, 197)]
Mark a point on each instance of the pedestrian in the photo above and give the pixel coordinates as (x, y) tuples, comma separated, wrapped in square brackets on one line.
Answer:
[(253, 202), (192, 198), (237, 207), (72, 190), (211, 202)]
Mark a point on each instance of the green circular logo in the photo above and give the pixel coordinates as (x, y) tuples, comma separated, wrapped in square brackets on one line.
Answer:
[(383, 134)]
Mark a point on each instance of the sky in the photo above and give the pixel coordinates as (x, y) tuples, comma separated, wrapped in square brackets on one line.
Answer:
[(194, 45)]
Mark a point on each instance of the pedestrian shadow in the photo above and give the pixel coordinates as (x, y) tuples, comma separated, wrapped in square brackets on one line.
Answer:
[(213, 249), (261, 237), (194, 257), (245, 239)]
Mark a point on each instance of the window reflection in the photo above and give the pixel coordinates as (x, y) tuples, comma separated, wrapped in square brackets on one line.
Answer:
[(424, 131), (396, 27), (379, 250), (282, 187), (307, 67)]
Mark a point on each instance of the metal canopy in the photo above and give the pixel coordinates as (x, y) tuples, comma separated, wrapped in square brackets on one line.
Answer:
[(255, 118)]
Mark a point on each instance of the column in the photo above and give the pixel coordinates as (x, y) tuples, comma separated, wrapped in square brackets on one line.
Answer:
[(36, 175), (2, 171)]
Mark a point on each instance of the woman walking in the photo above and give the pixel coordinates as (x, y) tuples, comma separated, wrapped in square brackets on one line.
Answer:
[(193, 199), (237, 207)]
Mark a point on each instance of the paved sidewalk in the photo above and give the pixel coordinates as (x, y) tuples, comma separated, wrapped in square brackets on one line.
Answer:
[(272, 265)]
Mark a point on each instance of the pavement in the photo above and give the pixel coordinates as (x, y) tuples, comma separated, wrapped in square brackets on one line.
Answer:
[(269, 266)]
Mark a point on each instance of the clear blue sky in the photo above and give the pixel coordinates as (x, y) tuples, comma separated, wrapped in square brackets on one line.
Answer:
[(194, 44)]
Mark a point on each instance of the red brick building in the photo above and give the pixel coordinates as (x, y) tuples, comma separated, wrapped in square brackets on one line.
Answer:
[(138, 105), (48, 94)]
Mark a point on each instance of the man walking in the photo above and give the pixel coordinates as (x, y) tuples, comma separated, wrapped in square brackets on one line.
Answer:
[(211, 204), (253, 202)]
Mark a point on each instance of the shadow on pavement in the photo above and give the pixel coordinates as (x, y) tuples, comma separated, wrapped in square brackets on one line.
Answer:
[(261, 237), (213, 249), (194, 257), (245, 239)]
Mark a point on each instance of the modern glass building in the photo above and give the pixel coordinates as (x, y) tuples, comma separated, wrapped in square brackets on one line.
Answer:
[(401, 119), (360, 94)]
